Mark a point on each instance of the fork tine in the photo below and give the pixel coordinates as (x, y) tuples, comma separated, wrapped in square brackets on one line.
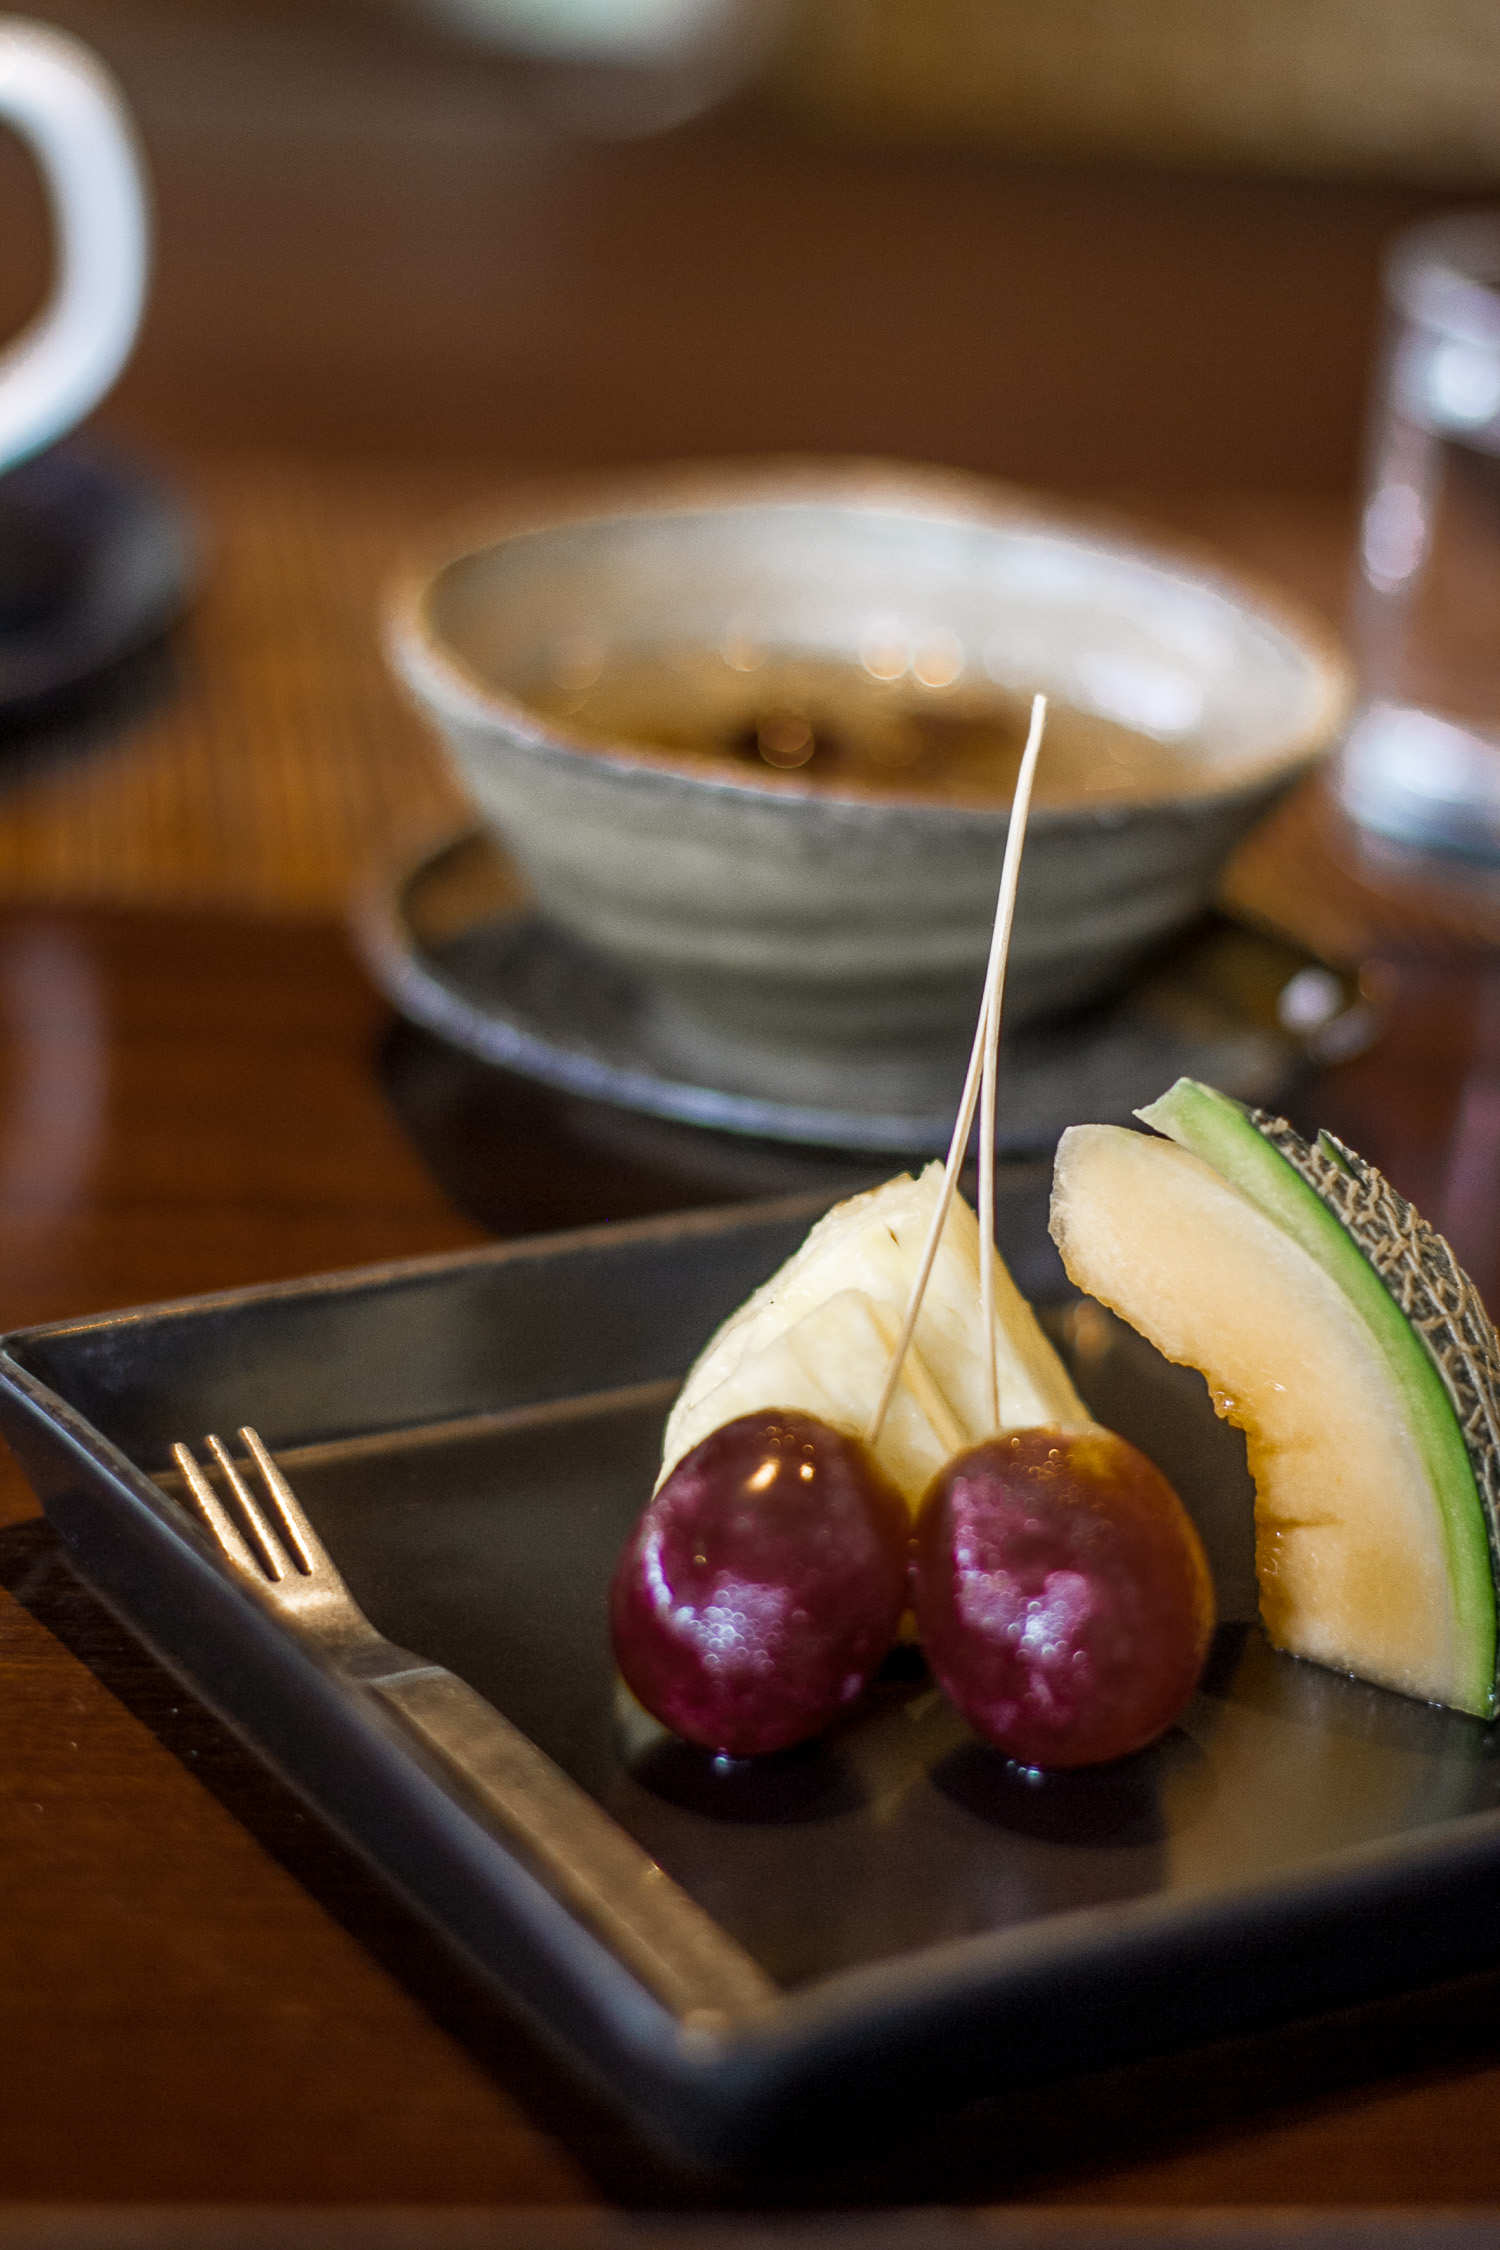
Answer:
[(264, 1537), (305, 1541), (212, 1511)]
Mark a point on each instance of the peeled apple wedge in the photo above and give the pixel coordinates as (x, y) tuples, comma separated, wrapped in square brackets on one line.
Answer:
[(1335, 1328), (818, 1337)]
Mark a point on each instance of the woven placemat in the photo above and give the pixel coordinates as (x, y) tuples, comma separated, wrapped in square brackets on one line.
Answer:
[(268, 763), (271, 765)]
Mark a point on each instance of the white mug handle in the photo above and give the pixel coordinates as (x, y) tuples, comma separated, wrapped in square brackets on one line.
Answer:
[(64, 103)]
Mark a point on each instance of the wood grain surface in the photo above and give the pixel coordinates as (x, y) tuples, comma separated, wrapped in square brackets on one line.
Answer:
[(382, 2227), (375, 240)]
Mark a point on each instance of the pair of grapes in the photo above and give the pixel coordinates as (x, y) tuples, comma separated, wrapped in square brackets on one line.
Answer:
[(1061, 1592)]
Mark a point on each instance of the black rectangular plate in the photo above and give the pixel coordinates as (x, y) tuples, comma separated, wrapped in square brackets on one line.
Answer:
[(473, 1435)]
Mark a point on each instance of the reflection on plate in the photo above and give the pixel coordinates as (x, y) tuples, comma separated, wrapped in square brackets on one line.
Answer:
[(472, 1436), (95, 562), (457, 948)]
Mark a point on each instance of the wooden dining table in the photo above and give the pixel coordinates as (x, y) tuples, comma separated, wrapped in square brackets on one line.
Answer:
[(217, 2023)]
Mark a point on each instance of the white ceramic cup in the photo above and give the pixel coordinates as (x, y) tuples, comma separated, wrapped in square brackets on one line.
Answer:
[(63, 102)]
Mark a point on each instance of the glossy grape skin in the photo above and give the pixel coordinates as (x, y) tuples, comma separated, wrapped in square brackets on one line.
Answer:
[(1063, 1595), (763, 1584)]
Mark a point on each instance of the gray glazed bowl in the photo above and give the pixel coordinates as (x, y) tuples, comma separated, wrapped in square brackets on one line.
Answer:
[(777, 911)]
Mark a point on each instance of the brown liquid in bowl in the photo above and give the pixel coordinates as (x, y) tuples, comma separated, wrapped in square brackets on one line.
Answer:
[(833, 721)]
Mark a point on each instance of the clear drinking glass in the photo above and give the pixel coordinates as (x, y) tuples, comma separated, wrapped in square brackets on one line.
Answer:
[(1422, 762)]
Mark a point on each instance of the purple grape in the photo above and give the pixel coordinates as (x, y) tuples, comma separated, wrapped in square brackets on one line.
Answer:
[(1063, 1595), (763, 1584)]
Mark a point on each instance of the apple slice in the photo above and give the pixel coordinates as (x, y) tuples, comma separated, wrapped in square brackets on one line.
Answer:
[(831, 1364), (1335, 1328), (818, 1336)]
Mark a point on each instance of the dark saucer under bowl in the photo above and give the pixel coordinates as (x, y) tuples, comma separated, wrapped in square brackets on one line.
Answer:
[(96, 559), (458, 949)]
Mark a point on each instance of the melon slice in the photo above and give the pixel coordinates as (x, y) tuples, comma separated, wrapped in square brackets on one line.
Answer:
[(1335, 1328), (818, 1336)]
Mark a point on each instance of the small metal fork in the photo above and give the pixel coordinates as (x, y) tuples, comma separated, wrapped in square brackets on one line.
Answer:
[(588, 1863)]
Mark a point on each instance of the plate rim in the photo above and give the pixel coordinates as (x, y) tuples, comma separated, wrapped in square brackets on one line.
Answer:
[(423, 992), (137, 499)]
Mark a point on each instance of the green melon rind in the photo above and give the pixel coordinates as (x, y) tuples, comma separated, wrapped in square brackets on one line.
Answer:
[(1439, 1301), (1403, 1280)]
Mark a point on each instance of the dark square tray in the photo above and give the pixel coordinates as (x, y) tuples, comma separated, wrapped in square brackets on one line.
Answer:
[(472, 1436)]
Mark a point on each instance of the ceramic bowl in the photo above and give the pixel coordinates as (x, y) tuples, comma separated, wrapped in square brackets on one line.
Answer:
[(780, 910)]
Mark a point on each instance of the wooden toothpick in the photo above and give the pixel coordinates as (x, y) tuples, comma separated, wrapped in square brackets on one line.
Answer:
[(982, 1061), (1020, 810)]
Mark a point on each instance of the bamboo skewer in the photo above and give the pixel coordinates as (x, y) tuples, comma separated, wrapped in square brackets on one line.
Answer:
[(1015, 840), (981, 1070)]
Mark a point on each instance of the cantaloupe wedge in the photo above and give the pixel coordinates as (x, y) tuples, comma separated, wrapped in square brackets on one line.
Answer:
[(1336, 1329), (818, 1336)]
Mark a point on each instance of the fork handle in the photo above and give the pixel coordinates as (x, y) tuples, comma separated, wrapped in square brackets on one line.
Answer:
[(587, 1862)]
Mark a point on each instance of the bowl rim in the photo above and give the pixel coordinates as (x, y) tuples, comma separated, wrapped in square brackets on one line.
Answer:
[(442, 682)]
